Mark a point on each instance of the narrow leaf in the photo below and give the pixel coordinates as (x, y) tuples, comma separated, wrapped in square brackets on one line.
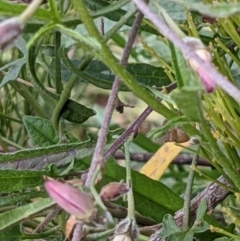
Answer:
[(16, 215), (40, 131)]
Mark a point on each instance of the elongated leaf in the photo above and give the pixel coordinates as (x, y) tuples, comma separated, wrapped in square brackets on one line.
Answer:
[(16, 215), (36, 159), (99, 75), (71, 111), (15, 67), (219, 10), (95, 5), (189, 103), (175, 122), (19, 197), (40, 131), (12, 9), (11, 234), (154, 206), (11, 180)]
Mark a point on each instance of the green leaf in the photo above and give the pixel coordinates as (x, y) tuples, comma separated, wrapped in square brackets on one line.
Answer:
[(224, 239), (19, 197), (154, 206), (95, 5), (200, 225), (15, 67), (189, 103), (16, 215), (13, 9), (182, 236), (73, 111), (11, 234), (100, 75), (40, 131), (172, 123), (33, 158), (11, 180), (169, 226), (217, 10)]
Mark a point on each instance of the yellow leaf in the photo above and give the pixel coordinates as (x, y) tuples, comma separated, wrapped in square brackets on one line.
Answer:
[(160, 161)]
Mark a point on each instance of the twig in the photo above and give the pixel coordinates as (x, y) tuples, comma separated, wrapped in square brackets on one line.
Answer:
[(187, 51), (182, 159), (133, 127), (213, 195), (130, 129), (98, 154), (48, 219), (22, 81)]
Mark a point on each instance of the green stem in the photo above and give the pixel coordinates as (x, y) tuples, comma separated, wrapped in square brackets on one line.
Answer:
[(11, 143), (96, 195), (212, 179), (54, 10), (22, 90), (188, 192), (130, 197), (57, 63), (110, 60), (69, 85), (222, 231), (11, 118)]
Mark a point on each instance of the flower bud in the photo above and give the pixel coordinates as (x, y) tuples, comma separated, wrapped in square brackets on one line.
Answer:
[(113, 191), (122, 237), (70, 199), (10, 30), (202, 52)]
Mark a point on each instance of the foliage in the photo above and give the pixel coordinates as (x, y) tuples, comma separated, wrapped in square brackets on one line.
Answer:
[(48, 119)]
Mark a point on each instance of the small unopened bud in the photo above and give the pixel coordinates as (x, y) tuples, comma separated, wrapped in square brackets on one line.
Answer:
[(202, 52), (10, 30), (122, 237), (113, 191), (70, 199)]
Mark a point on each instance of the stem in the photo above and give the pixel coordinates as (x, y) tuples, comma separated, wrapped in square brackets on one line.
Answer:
[(47, 220), (30, 10), (222, 231), (131, 129), (221, 80), (181, 159), (77, 232), (26, 94), (130, 197), (98, 154), (57, 63), (96, 195), (187, 196), (69, 85)]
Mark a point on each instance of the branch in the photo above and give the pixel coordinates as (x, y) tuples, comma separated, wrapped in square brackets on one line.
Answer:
[(133, 127), (182, 159), (98, 154), (213, 194)]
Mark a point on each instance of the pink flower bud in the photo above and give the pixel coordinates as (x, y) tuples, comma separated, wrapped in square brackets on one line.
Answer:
[(70, 199), (10, 30), (208, 83), (202, 52)]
